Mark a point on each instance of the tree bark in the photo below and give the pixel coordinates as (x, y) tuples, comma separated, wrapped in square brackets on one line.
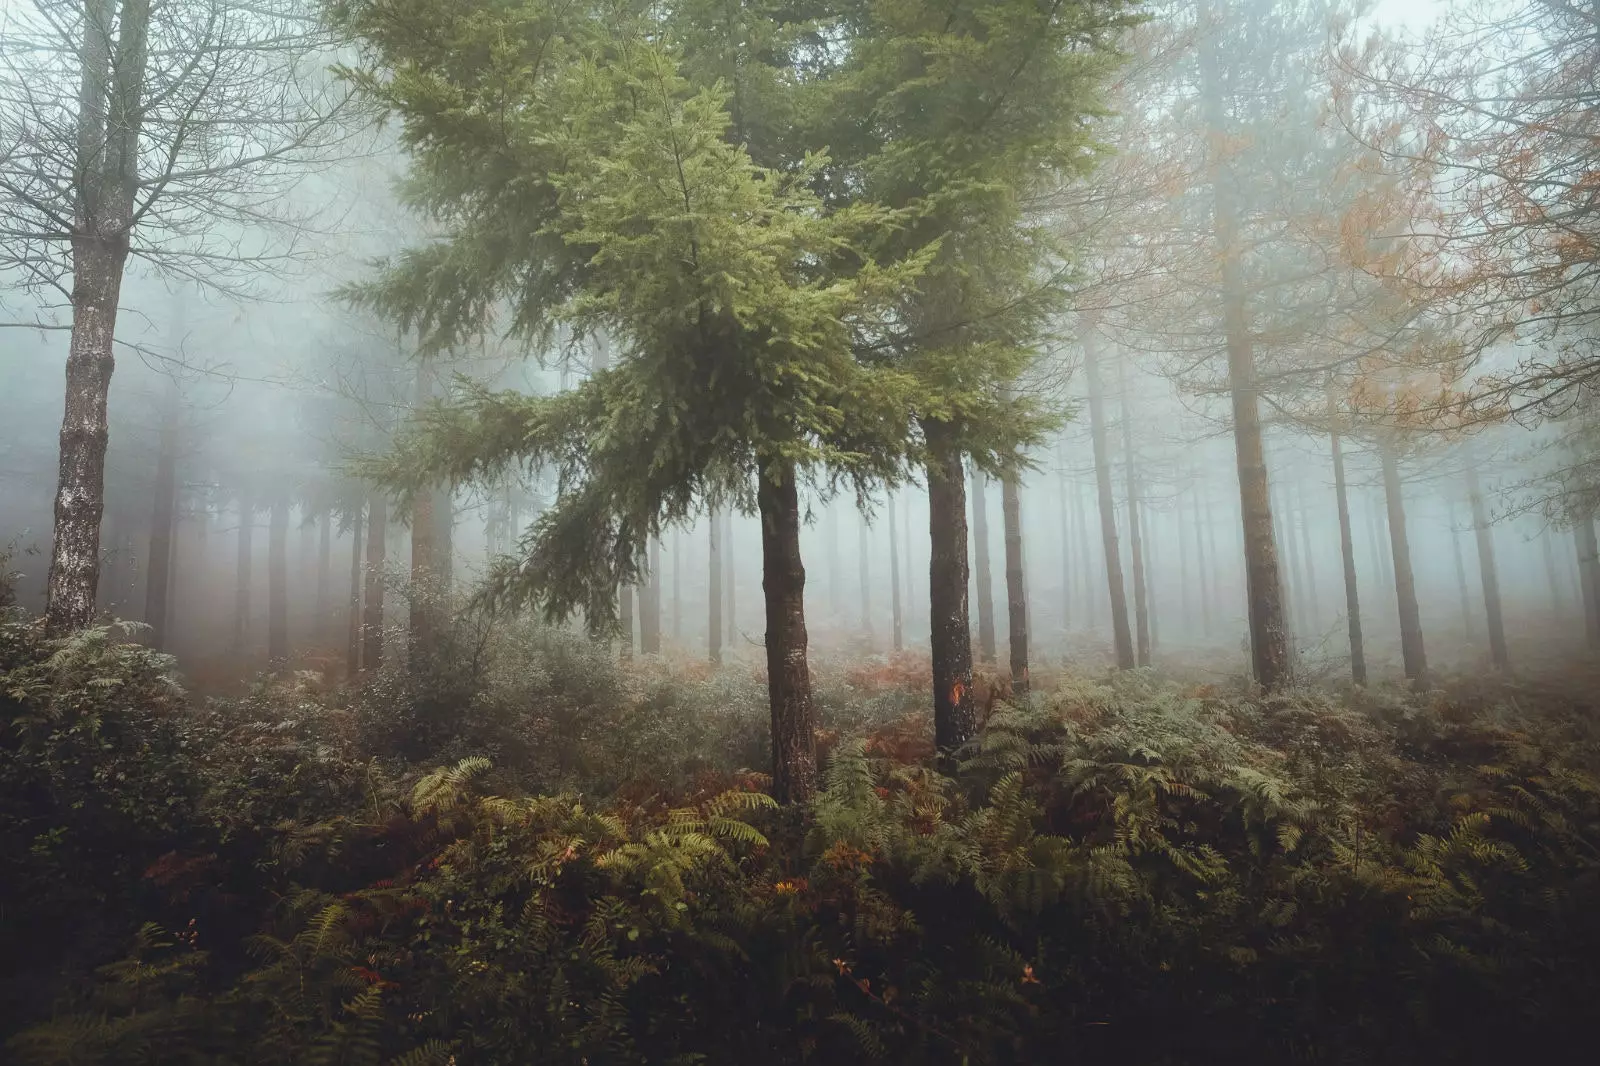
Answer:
[(864, 575), (1405, 585), (1067, 577), (353, 610), (1588, 575), (955, 713), (377, 557), (1086, 575), (897, 620), (1141, 606), (1016, 586), (109, 124), (650, 603), (980, 554), (1121, 634), (677, 586), (1269, 636), (164, 513), (1488, 573), (1309, 561), (1468, 625), (278, 583), (730, 583), (714, 621), (241, 588), (324, 574), (625, 620), (1347, 553), (783, 583)]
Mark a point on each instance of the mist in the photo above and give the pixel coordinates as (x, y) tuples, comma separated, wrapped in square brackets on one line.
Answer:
[(967, 532)]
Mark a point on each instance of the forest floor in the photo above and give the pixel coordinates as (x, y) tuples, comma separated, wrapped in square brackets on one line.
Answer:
[(523, 851)]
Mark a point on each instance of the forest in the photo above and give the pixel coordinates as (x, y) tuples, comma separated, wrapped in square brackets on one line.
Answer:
[(799, 531)]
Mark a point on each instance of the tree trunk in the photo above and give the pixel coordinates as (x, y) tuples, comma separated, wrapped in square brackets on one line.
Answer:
[(955, 713), (377, 557), (1121, 634), (625, 620), (1347, 553), (164, 513), (109, 124), (864, 575), (980, 555), (1203, 561), (1588, 576), (1016, 587), (1309, 561), (324, 572), (422, 631), (1488, 573), (278, 584), (730, 583), (1558, 602), (1067, 582), (1269, 637), (1086, 575), (783, 582), (650, 603), (1141, 605), (1463, 597), (241, 593), (714, 621), (353, 610), (1405, 584), (897, 620), (677, 586)]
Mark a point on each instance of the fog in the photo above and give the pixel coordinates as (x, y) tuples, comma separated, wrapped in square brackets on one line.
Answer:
[(249, 377)]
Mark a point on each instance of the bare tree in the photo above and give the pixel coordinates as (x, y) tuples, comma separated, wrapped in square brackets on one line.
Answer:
[(170, 133)]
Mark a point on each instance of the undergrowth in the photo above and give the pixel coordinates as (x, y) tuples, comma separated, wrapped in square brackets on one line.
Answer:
[(541, 857)]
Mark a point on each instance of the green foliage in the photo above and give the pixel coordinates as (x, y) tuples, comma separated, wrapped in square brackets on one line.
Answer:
[(1119, 871)]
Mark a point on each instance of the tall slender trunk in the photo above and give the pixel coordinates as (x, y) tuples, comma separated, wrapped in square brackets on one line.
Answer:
[(1380, 526), (1203, 561), (324, 574), (352, 656), (730, 579), (864, 575), (714, 569), (1405, 584), (163, 514), (1309, 559), (241, 587), (1558, 602), (1121, 634), (1067, 576), (1086, 575), (278, 583), (1141, 605), (835, 600), (1016, 586), (650, 603), (625, 620), (1588, 575), (955, 712), (980, 558), (1488, 573), (677, 585), (1269, 636), (377, 557), (109, 124), (1181, 506), (897, 620), (1463, 597), (1347, 553), (783, 583), (1289, 575)]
